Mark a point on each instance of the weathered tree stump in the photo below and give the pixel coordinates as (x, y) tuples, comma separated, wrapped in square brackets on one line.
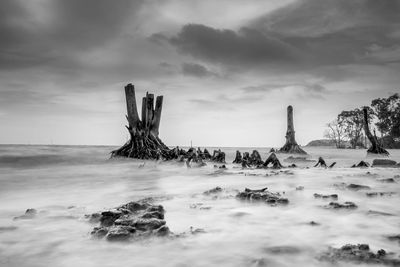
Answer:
[(291, 145), (238, 157), (218, 156), (255, 158), (276, 164), (375, 148), (144, 142)]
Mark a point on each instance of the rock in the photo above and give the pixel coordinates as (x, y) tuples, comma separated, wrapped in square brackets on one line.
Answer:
[(383, 163), (300, 188), (131, 220), (387, 180), (332, 196), (357, 187), (360, 253), (312, 223), (376, 194), (345, 205), (29, 214), (222, 167), (215, 190), (262, 195), (292, 159)]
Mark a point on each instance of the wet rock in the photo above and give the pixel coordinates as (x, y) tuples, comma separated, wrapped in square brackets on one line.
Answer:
[(383, 163), (312, 223), (360, 253), (29, 214), (332, 196), (345, 205), (300, 188), (381, 194), (222, 167), (195, 231), (215, 190), (262, 195), (357, 187), (387, 180), (129, 221)]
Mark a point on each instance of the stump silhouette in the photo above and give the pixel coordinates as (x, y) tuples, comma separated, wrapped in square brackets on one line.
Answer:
[(375, 148), (144, 142), (291, 145)]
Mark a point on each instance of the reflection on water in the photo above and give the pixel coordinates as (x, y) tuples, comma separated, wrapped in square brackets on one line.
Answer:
[(65, 183)]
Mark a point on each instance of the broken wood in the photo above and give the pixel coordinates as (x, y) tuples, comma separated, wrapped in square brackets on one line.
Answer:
[(375, 148), (291, 145), (144, 142), (276, 164)]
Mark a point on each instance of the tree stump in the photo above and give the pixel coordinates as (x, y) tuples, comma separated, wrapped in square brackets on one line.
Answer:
[(276, 164), (238, 157), (291, 145), (375, 148), (144, 142)]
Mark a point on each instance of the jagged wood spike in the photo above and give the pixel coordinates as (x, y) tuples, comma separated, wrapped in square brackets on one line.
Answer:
[(144, 111), (133, 116), (157, 115), (149, 110)]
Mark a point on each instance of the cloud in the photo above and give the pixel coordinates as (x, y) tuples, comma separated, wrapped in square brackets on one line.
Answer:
[(197, 70), (231, 47), (55, 33)]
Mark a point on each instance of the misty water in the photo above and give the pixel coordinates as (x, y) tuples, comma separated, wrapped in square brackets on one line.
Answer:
[(66, 182)]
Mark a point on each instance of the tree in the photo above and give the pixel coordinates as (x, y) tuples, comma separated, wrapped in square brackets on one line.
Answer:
[(353, 123), (387, 111), (336, 132)]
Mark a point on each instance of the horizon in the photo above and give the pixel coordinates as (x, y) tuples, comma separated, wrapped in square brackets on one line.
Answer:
[(226, 78)]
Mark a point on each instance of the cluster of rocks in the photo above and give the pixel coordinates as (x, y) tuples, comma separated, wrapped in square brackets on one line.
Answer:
[(380, 194), (377, 163), (129, 221), (254, 159), (359, 254), (262, 195)]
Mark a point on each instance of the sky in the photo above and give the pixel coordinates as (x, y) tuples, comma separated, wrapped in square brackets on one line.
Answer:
[(228, 69)]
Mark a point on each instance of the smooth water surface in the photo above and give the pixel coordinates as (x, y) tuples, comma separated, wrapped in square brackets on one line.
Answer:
[(66, 182)]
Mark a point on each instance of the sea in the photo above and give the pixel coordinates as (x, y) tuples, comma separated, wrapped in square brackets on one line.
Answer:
[(65, 183)]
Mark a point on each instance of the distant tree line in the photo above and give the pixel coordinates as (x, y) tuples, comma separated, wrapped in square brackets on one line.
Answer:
[(347, 129)]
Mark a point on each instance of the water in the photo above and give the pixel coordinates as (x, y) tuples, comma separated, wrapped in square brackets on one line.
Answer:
[(66, 182)]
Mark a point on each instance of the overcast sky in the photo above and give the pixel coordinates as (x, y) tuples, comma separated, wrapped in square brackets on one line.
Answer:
[(227, 69)]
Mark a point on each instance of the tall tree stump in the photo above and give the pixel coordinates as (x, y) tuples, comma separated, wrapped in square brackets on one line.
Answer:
[(144, 142), (375, 148), (291, 145)]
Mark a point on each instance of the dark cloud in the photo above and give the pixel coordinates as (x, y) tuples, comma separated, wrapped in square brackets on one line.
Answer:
[(304, 35), (56, 33), (230, 47), (197, 70)]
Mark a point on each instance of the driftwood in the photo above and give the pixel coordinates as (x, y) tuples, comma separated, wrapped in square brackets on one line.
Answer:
[(375, 148), (291, 145), (144, 142)]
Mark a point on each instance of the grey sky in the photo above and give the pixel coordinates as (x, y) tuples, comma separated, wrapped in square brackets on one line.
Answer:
[(227, 69)]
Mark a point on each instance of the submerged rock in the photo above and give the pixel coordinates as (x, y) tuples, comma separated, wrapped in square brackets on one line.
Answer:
[(383, 163), (358, 187), (215, 190), (394, 238), (332, 196), (387, 180), (29, 214), (360, 253), (361, 164), (129, 221), (262, 195), (381, 194), (345, 205)]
